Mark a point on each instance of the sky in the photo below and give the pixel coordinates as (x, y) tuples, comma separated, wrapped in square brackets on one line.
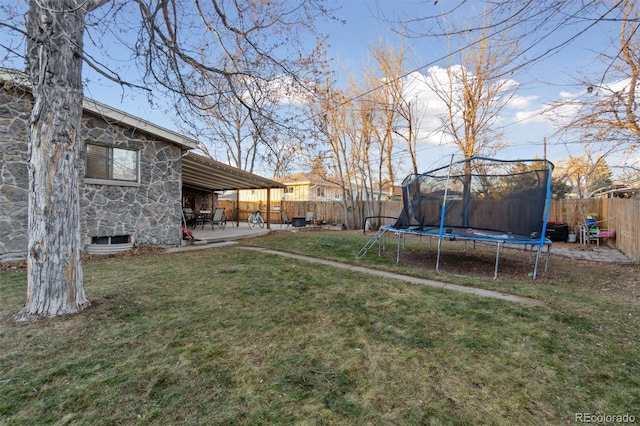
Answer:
[(524, 124), (349, 47)]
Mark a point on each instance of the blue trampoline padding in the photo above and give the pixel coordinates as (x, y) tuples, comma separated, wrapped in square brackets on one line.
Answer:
[(458, 233)]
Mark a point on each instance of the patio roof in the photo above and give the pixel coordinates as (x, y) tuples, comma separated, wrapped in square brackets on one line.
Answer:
[(205, 173)]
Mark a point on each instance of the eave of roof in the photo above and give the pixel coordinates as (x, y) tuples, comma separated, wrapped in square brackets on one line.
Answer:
[(205, 173), (20, 79), (137, 123), (307, 179)]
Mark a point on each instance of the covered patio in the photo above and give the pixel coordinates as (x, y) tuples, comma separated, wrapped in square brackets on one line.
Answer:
[(203, 178)]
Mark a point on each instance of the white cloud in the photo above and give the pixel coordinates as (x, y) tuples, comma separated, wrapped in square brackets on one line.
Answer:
[(564, 95), (540, 115), (521, 102)]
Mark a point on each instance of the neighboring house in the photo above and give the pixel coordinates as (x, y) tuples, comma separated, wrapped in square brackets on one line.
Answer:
[(310, 187), (298, 187), (135, 175), (395, 193), (307, 187)]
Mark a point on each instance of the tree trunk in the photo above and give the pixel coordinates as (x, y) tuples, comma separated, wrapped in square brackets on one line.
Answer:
[(54, 63)]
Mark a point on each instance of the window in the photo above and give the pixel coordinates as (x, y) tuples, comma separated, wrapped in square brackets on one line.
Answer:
[(288, 190), (104, 162), (319, 192)]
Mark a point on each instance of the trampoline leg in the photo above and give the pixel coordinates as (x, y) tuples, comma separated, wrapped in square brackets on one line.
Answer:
[(495, 273), (438, 256), (546, 263), (535, 267), (382, 243), (398, 253)]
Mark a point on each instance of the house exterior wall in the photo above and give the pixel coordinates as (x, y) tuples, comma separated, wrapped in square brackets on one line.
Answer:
[(197, 199), (14, 180), (302, 192), (259, 195), (148, 211)]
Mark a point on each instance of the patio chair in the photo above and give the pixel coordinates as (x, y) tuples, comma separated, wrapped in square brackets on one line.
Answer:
[(284, 219), (589, 231), (309, 218), (233, 217), (218, 218)]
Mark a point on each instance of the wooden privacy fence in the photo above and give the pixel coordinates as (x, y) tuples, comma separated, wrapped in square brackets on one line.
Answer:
[(621, 215), (330, 212)]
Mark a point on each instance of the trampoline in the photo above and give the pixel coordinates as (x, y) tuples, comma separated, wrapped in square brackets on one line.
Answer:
[(501, 202)]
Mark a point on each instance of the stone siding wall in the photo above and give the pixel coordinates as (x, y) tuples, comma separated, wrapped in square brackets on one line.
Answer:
[(15, 107), (149, 212)]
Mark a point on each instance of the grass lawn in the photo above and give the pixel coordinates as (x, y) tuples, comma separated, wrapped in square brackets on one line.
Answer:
[(231, 336)]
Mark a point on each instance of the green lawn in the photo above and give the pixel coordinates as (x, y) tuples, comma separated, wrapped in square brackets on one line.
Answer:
[(231, 336)]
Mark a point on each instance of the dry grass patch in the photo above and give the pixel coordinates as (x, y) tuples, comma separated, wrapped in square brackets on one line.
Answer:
[(233, 336)]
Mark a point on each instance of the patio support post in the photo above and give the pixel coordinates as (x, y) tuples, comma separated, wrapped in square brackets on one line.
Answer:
[(268, 208), (237, 208)]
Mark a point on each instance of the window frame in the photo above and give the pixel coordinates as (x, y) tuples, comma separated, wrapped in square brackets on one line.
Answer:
[(110, 180)]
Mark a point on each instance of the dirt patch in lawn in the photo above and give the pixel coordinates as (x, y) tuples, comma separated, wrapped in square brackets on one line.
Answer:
[(620, 281), (139, 250)]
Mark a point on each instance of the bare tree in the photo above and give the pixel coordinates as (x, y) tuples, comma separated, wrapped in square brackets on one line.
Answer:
[(224, 132), (606, 115), (343, 126), (236, 42), (360, 127), (408, 126), (262, 128), (474, 94), (244, 38), (536, 27), (388, 88), (54, 63), (586, 173), (542, 29)]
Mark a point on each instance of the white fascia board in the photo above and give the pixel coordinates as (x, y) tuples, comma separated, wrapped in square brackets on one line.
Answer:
[(20, 78), (137, 123)]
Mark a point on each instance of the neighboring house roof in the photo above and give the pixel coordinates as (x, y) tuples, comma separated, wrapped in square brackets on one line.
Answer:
[(197, 171), (306, 179)]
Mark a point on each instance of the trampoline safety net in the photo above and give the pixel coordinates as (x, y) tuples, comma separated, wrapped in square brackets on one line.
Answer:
[(502, 196), (479, 199)]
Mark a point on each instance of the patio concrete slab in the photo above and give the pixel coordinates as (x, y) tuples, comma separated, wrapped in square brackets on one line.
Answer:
[(591, 252), (210, 235)]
